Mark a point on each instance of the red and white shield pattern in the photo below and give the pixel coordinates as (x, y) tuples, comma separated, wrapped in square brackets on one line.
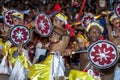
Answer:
[(43, 24), (19, 33), (103, 54), (118, 10), (7, 18), (87, 19)]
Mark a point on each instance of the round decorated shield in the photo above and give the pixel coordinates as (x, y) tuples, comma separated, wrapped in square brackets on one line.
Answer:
[(87, 19), (43, 24), (117, 10), (102, 3), (18, 34), (103, 54), (7, 17)]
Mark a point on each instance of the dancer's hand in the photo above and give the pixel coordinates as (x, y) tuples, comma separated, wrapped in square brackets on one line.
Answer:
[(67, 52)]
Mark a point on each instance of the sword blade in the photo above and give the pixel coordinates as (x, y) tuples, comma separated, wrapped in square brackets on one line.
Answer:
[(79, 52)]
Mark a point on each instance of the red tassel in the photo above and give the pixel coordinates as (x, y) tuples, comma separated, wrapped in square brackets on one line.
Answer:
[(102, 38), (72, 31)]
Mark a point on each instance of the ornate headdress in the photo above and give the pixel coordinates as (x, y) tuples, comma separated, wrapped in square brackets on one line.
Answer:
[(94, 24), (64, 18), (57, 12), (114, 16), (18, 15)]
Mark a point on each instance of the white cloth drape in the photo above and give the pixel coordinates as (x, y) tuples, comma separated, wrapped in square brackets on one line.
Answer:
[(4, 67), (57, 66), (19, 72), (117, 73)]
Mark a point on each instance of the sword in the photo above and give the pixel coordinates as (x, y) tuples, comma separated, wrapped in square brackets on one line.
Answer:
[(79, 52)]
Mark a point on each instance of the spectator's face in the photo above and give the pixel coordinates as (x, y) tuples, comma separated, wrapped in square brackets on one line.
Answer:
[(63, 11), (68, 11), (29, 19), (94, 34), (115, 5), (33, 12)]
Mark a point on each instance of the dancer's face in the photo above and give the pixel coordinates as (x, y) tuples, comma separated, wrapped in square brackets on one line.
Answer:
[(94, 33), (57, 22)]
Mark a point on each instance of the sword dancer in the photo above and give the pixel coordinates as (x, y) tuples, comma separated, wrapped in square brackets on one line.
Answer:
[(53, 65), (114, 29), (93, 32), (18, 19), (114, 36), (18, 55)]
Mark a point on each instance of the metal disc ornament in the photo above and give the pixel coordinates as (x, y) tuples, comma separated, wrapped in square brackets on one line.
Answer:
[(87, 19), (19, 33), (103, 54), (7, 18), (43, 24), (118, 10)]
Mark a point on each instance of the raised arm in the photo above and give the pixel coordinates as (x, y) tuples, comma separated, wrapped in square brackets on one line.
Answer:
[(109, 28)]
